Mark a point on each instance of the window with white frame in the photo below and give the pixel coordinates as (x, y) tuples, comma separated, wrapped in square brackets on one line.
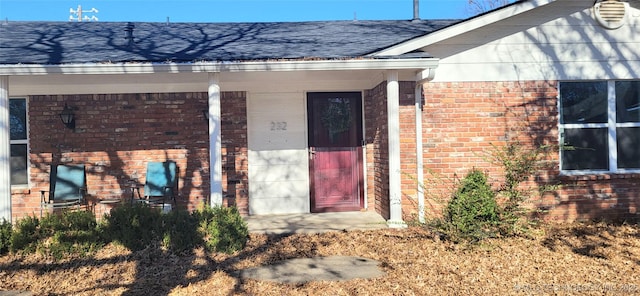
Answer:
[(599, 126), (18, 141)]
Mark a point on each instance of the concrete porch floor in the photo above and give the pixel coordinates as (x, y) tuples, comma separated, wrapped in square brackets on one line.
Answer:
[(315, 223)]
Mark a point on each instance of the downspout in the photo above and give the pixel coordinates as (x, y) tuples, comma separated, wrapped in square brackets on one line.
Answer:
[(421, 78)]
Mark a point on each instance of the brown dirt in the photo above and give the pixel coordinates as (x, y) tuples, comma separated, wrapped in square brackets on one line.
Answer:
[(585, 259)]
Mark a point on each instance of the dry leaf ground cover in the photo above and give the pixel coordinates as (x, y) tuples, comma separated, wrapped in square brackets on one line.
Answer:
[(584, 259)]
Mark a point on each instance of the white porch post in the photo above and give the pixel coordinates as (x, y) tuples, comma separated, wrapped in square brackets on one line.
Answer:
[(5, 151), (393, 117), (215, 140)]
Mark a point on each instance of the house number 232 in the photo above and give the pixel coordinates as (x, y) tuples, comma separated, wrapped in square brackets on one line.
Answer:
[(278, 125)]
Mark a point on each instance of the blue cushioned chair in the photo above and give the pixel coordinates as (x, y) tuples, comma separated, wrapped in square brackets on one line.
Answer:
[(67, 187), (161, 183)]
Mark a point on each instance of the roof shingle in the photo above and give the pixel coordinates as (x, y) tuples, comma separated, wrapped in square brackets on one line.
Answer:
[(105, 42)]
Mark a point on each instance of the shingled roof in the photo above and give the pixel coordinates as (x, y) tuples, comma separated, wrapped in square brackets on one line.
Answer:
[(53, 43)]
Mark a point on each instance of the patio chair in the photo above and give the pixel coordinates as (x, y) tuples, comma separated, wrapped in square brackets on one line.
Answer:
[(67, 187), (161, 183)]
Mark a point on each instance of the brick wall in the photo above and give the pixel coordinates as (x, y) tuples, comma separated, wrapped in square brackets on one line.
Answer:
[(610, 196), (461, 122), (376, 141), (235, 161), (116, 135), (408, 163)]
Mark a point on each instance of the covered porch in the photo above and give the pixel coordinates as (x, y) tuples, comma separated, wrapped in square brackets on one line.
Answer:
[(255, 80)]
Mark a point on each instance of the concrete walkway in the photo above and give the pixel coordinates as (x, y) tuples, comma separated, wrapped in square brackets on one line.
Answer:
[(315, 223), (302, 270)]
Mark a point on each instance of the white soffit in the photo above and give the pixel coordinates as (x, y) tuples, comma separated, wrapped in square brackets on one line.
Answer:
[(203, 67), (463, 27)]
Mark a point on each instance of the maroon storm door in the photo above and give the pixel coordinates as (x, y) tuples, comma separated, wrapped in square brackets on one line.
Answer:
[(335, 151)]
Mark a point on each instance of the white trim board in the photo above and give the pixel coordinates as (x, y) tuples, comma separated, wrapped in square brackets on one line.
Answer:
[(463, 27), (205, 67)]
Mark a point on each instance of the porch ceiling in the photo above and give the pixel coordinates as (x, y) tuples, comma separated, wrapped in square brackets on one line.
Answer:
[(264, 81)]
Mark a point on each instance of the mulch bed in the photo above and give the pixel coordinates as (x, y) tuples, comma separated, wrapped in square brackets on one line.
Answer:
[(585, 259)]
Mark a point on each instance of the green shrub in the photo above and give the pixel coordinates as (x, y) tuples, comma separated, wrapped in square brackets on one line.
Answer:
[(208, 228), (68, 220), (222, 228), (520, 163), (5, 236), (69, 233), (57, 235), (180, 231), (472, 212), (25, 235), (133, 226), (139, 226)]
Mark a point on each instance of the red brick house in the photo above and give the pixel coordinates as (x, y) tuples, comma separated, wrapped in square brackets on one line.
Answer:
[(329, 116)]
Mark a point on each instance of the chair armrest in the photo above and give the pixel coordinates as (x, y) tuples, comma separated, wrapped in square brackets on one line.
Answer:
[(83, 192), (167, 188), (42, 193)]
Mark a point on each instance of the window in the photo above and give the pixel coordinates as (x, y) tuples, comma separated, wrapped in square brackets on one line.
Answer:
[(18, 140), (599, 126)]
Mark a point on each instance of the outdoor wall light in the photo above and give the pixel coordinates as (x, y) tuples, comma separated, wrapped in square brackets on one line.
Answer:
[(68, 117), (205, 113)]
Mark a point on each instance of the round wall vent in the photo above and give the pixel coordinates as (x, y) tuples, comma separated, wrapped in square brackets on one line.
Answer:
[(611, 14)]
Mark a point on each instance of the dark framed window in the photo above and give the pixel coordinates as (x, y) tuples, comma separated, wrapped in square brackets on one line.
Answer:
[(599, 126), (18, 131), (585, 149)]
